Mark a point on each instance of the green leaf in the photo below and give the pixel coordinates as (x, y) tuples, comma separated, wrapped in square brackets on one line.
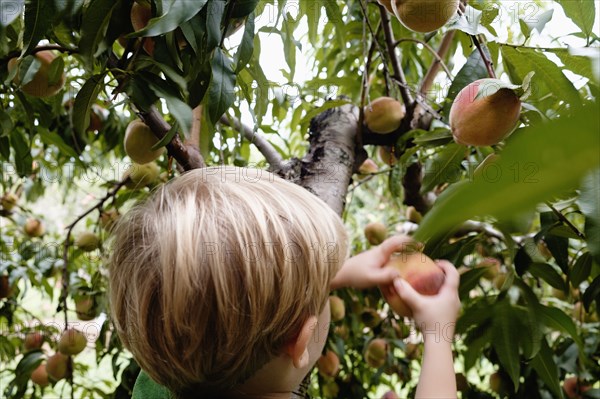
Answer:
[(56, 71), (334, 16), (489, 87), (592, 293), (559, 162), (178, 13), (545, 366), (28, 67), (182, 112), (582, 12), (589, 203), (547, 273), (243, 8), (93, 27), (558, 320), (581, 270), (37, 23), (473, 70), (436, 137), (221, 92), (83, 103), (469, 280), (444, 167), (53, 138), (578, 64), (505, 335), (23, 158), (215, 11), (521, 61), (244, 52)]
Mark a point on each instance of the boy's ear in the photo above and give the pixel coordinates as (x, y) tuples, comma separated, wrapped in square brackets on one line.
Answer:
[(297, 348)]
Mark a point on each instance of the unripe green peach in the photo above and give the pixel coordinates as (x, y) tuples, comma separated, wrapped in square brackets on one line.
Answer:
[(85, 307), (420, 272), (384, 115), (337, 307), (140, 176), (486, 120), (412, 215), (386, 155), (34, 227), (72, 342), (328, 364), (368, 167), (39, 376), (370, 318), (413, 351), (387, 4), (375, 233), (57, 366), (87, 241), (139, 141), (376, 352), (8, 201), (424, 15), (40, 85)]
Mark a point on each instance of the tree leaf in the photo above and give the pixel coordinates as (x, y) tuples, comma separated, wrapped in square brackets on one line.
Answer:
[(93, 27), (28, 67), (444, 167), (221, 91), (473, 70), (214, 17), (545, 366), (558, 320), (243, 8), (469, 280), (582, 12), (244, 52), (589, 203), (83, 103), (178, 13), (558, 166), (547, 273), (505, 335), (37, 23), (490, 87), (581, 270), (592, 293), (23, 159)]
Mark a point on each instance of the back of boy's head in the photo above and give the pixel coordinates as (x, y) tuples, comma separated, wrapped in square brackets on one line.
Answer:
[(217, 270)]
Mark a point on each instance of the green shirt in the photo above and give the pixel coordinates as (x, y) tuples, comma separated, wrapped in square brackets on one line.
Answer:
[(146, 388)]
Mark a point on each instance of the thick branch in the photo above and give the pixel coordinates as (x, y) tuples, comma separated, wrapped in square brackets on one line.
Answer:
[(55, 47), (270, 153), (326, 169), (411, 181)]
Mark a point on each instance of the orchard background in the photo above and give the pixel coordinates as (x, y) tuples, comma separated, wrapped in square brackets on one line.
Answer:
[(284, 85)]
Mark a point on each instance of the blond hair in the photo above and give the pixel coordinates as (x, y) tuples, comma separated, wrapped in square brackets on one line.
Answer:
[(217, 270)]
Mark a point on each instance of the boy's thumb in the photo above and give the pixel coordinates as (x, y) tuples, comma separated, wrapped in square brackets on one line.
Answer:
[(406, 291)]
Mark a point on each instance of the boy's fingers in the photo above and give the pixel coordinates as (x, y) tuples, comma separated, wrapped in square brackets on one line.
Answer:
[(396, 244), (452, 277), (385, 275), (406, 292)]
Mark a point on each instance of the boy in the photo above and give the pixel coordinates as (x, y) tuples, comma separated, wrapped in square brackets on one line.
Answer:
[(219, 286)]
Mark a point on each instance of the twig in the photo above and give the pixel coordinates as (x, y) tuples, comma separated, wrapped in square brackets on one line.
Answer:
[(438, 59), (435, 66), (398, 72), (566, 221), (54, 47), (270, 153), (484, 56), (365, 84), (517, 46)]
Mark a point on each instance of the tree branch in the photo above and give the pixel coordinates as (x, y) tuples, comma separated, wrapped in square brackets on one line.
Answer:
[(435, 66), (438, 59), (398, 72), (327, 168), (273, 157), (483, 51), (55, 47)]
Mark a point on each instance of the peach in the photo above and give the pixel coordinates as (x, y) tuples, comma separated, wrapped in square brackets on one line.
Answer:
[(368, 167), (573, 388), (328, 364), (376, 352), (486, 120), (384, 115), (72, 342), (375, 233), (138, 143), (40, 85), (424, 15), (420, 272), (33, 340), (87, 241), (387, 4), (39, 376), (58, 366), (34, 227), (337, 307)]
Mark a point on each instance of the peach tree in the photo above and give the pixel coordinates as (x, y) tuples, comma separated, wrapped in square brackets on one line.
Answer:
[(470, 125)]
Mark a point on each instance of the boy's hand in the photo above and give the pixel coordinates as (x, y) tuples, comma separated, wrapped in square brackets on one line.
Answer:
[(433, 312), (366, 270)]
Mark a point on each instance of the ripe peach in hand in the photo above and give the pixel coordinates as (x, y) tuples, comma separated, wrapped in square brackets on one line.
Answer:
[(484, 121), (420, 272)]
